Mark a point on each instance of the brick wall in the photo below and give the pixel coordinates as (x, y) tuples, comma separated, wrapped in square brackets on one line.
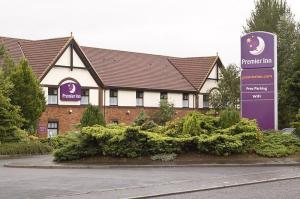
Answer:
[(128, 114), (66, 120)]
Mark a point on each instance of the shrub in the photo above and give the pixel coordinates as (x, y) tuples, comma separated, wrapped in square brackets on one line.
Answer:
[(149, 125), (141, 118), (24, 148), (165, 113), (196, 123), (277, 144), (92, 116), (296, 124), (229, 117), (76, 146), (219, 144)]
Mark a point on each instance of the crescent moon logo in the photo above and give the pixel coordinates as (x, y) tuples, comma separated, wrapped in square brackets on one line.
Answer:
[(72, 88), (260, 47)]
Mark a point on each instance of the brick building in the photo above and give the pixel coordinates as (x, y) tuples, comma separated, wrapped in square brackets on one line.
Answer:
[(121, 83)]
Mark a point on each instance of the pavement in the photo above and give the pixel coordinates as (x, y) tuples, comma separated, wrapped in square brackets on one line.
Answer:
[(143, 182), (194, 160)]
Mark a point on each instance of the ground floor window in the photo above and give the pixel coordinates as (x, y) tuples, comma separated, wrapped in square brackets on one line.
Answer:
[(52, 129), (206, 100), (139, 98)]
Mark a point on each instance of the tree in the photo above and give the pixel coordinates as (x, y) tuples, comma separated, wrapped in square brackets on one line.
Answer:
[(7, 62), (275, 16), (227, 94), (92, 116), (10, 118), (165, 113), (27, 94)]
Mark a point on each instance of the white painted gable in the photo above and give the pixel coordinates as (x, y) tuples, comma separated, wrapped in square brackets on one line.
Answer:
[(65, 59), (213, 73)]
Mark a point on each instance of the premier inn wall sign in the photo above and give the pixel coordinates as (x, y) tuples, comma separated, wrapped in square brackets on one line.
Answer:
[(259, 79), (70, 92)]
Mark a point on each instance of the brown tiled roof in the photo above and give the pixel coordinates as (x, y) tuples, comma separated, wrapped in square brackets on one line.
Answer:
[(195, 69), (41, 53), (119, 68), (12, 47), (136, 70)]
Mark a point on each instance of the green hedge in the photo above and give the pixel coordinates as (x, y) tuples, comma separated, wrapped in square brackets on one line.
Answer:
[(24, 148), (174, 138)]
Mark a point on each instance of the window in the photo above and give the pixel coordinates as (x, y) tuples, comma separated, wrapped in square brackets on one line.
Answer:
[(113, 97), (205, 100), (85, 93), (52, 95), (115, 121), (52, 129), (185, 100), (139, 98), (163, 96)]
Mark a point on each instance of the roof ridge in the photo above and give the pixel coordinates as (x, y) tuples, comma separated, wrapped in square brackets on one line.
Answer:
[(124, 51)]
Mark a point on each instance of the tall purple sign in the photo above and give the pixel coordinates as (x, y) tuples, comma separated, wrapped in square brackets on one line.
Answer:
[(70, 92), (259, 78)]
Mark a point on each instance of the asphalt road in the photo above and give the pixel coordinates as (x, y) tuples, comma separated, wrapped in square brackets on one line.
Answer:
[(287, 189), (23, 183)]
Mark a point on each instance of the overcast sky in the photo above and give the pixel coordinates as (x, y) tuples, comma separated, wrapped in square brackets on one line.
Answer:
[(183, 28)]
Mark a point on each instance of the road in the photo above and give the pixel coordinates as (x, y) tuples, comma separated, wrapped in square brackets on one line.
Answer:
[(23, 183)]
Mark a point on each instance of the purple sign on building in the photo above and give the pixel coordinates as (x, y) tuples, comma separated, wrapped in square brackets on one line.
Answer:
[(70, 92), (257, 50), (259, 78)]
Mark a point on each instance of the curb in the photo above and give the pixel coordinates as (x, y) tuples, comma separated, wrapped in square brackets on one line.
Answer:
[(12, 165), (214, 188)]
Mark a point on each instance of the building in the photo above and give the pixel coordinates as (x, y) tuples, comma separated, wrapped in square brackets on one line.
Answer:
[(121, 83)]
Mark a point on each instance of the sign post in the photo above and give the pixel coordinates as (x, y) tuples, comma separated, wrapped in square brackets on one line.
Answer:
[(259, 79)]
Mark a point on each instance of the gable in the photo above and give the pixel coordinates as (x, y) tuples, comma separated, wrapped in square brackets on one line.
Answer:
[(214, 73), (70, 58)]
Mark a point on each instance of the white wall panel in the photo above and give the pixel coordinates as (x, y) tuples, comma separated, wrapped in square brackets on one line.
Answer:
[(200, 101), (151, 99), (64, 60), (208, 85), (213, 73), (56, 74), (126, 98), (175, 99), (191, 100), (94, 97)]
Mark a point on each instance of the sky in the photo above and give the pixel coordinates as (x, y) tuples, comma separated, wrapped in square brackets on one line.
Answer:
[(179, 28)]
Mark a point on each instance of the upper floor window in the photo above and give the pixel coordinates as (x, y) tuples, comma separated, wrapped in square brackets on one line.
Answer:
[(85, 93), (206, 100), (164, 96), (52, 95), (139, 98), (113, 97), (185, 100)]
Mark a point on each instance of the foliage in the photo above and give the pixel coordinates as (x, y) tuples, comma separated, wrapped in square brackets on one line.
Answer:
[(27, 94), (92, 116), (165, 113), (296, 123), (141, 118), (24, 148), (196, 123), (10, 118), (8, 64), (227, 94), (164, 157), (275, 16), (277, 144), (229, 117), (149, 125)]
